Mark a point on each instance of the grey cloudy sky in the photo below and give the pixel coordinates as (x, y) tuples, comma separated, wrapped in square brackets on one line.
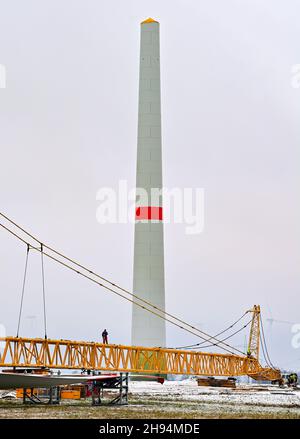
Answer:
[(68, 126)]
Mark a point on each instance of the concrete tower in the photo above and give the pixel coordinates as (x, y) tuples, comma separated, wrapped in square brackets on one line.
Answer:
[(148, 278)]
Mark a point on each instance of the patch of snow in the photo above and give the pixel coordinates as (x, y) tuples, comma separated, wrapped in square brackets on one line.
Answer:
[(188, 390)]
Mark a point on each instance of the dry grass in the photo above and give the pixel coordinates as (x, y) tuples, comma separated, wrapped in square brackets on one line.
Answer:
[(147, 408)]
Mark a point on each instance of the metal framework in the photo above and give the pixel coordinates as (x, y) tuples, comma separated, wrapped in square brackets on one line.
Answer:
[(51, 397), (65, 354), (253, 346), (119, 383)]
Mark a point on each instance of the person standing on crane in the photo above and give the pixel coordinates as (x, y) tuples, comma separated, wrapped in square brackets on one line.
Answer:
[(104, 337)]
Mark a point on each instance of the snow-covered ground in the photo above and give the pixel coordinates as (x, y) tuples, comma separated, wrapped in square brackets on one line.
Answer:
[(188, 390), (173, 399)]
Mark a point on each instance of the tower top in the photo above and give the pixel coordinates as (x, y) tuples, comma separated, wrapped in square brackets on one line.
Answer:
[(149, 20)]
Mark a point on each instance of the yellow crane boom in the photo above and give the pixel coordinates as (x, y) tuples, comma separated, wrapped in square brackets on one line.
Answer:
[(65, 354)]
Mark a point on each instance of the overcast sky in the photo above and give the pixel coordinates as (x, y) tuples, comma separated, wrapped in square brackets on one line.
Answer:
[(231, 125)]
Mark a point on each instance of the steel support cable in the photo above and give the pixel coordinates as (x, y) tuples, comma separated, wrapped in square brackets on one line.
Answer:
[(44, 294), (216, 335), (122, 289), (23, 290), (263, 351), (132, 301), (100, 284), (116, 286), (214, 344), (119, 287), (265, 344), (230, 336), (266, 350), (126, 298), (115, 292)]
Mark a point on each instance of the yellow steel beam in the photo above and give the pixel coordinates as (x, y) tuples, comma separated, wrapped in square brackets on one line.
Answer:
[(65, 354), (253, 346)]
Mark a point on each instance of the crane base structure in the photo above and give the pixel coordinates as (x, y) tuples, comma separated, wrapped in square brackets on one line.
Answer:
[(65, 354)]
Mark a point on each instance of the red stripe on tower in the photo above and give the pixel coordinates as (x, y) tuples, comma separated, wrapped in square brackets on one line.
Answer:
[(149, 213)]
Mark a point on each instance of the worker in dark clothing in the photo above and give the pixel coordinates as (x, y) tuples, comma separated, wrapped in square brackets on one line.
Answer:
[(292, 379), (104, 337)]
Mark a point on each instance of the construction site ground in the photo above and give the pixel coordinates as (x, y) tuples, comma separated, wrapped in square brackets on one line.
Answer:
[(180, 399)]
